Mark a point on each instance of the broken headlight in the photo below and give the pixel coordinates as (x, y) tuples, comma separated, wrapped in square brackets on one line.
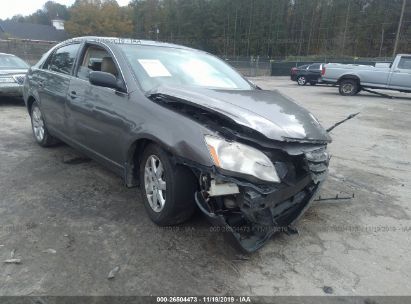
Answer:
[(237, 157)]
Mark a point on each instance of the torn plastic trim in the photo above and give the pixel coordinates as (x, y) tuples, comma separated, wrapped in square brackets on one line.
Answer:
[(234, 237), (256, 235), (257, 207)]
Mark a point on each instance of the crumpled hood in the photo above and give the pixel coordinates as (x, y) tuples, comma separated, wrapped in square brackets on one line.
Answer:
[(268, 112)]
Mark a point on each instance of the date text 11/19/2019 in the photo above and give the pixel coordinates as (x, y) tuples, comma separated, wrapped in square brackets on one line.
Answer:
[(205, 299)]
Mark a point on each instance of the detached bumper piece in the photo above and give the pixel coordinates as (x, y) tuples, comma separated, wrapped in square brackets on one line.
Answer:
[(258, 213)]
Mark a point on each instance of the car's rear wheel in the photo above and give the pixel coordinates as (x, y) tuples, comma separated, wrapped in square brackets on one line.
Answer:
[(349, 87), (301, 80), (168, 189), (40, 132)]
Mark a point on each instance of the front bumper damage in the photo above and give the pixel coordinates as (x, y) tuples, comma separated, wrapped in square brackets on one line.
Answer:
[(251, 215), (295, 142)]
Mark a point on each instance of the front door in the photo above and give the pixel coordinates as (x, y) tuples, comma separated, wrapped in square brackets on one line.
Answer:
[(96, 114), (401, 76)]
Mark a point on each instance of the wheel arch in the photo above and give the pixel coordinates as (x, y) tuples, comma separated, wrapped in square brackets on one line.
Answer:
[(30, 100), (349, 76), (133, 158)]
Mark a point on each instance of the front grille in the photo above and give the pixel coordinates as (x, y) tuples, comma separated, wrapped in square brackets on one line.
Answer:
[(19, 78), (317, 162), (292, 168)]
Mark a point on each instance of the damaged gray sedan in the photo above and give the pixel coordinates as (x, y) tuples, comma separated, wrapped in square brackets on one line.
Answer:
[(184, 126)]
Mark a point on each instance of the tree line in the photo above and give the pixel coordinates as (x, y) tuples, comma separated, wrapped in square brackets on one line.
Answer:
[(232, 28)]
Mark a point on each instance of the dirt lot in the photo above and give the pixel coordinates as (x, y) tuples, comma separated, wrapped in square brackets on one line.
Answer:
[(71, 221)]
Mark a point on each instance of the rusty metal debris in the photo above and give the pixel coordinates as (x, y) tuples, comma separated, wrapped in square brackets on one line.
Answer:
[(336, 198), (342, 121)]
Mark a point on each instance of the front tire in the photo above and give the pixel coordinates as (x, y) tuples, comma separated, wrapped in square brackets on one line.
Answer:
[(301, 80), (40, 132), (167, 188), (349, 87)]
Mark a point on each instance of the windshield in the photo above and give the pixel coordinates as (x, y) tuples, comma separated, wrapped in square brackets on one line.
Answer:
[(156, 66), (12, 62)]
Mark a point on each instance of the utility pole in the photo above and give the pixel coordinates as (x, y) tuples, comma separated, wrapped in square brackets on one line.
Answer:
[(397, 38), (346, 25), (382, 40)]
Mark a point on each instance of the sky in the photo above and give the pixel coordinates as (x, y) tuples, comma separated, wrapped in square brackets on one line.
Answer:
[(27, 7)]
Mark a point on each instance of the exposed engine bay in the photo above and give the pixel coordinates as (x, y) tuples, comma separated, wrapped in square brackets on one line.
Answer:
[(252, 213)]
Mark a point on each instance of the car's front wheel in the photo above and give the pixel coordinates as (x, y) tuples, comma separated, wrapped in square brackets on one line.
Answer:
[(40, 132), (301, 80), (168, 189)]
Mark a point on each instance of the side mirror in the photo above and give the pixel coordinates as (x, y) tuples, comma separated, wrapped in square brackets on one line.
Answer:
[(103, 79)]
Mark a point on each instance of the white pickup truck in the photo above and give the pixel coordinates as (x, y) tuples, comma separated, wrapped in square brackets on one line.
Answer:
[(352, 78)]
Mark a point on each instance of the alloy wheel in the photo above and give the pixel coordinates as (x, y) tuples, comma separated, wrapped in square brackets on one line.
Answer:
[(38, 124), (155, 183), (301, 80)]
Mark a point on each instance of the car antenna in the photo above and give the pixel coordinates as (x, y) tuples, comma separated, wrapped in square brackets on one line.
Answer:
[(342, 121)]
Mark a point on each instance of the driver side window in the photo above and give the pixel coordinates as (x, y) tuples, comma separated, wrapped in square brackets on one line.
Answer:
[(405, 63), (96, 59)]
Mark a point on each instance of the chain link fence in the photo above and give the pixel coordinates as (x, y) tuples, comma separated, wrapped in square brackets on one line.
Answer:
[(256, 66), (250, 67)]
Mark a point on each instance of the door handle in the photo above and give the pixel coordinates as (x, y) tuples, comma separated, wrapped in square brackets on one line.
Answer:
[(73, 94)]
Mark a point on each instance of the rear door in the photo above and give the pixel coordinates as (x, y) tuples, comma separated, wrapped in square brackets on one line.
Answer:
[(314, 72), (54, 83), (96, 114), (401, 75)]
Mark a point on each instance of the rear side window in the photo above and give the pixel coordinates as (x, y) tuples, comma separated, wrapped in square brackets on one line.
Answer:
[(405, 63), (315, 66), (62, 60)]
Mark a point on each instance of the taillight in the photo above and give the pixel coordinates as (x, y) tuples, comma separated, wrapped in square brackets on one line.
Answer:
[(323, 71)]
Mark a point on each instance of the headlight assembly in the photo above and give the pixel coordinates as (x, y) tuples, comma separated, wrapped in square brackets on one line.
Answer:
[(237, 157)]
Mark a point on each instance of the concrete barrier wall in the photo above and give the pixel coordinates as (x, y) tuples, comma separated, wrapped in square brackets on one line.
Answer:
[(30, 51)]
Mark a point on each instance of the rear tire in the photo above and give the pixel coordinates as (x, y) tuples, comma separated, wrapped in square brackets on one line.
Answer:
[(301, 80), (167, 188), (38, 125), (349, 87)]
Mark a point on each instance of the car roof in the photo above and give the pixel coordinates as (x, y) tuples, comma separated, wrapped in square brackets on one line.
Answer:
[(130, 41)]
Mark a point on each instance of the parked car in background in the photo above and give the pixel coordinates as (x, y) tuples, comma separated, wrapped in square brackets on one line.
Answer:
[(186, 127), (12, 73), (295, 70), (352, 78), (311, 74)]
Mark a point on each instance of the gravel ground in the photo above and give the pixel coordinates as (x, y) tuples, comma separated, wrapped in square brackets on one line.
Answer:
[(71, 221)]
